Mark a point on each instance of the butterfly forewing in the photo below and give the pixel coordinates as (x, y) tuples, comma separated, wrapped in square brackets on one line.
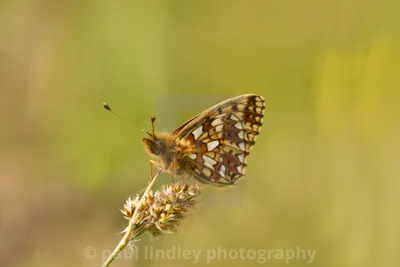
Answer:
[(221, 137)]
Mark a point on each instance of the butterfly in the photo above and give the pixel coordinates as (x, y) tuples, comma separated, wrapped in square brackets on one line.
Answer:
[(213, 146)]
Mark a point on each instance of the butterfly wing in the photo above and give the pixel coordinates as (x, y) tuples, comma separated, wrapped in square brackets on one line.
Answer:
[(220, 138), (177, 131)]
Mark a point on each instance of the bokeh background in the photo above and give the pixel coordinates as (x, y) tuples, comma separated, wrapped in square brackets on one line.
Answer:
[(324, 174)]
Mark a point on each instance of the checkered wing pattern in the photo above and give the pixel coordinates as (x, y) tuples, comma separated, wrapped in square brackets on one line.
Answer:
[(221, 137)]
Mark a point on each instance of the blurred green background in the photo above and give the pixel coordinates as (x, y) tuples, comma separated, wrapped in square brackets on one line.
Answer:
[(324, 174)]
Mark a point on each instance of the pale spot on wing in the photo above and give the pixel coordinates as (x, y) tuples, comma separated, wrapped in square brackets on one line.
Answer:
[(208, 165), (198, 132), (241, 146), (239, 168), (216, 122), (234, 118), (241, 158), (211, 145), (219, 128), (193, 156), (240, 134), (220, 115), (239, 125), (209, 162), (222, 171)]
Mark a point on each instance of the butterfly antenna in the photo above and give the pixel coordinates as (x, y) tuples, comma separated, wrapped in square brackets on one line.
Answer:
[(153, 119), (107, 107)]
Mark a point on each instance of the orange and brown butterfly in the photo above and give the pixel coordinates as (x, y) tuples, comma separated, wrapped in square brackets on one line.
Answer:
[(213, 146)]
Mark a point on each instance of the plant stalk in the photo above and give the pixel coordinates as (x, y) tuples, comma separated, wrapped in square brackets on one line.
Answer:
[(132, 222)]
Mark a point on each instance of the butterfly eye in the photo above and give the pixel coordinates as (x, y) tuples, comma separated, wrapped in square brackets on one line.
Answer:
[(160, 144)]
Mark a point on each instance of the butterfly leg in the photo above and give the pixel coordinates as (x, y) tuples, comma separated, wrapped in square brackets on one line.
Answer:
[(185, 179), (173, 171), (151, 163)]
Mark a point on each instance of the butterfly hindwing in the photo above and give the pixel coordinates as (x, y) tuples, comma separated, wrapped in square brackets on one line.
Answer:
[(221, 138)]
